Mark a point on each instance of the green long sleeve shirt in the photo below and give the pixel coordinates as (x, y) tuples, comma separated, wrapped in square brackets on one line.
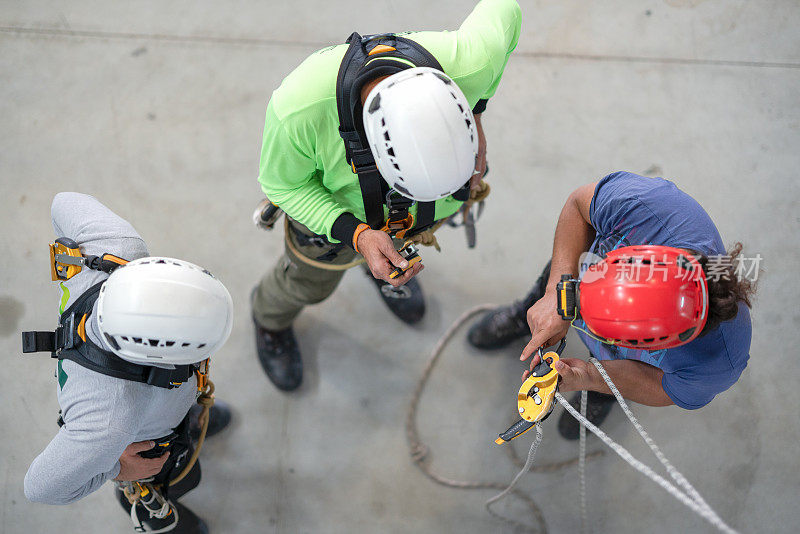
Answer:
[(303, 167)]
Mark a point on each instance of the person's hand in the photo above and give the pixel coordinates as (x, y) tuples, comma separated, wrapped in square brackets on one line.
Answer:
[(576, 374), (382, 258), (134, 467), (547, 326), (480, 159)]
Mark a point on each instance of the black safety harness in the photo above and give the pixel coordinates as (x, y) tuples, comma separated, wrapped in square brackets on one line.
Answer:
[(70, 342), (367, 58)]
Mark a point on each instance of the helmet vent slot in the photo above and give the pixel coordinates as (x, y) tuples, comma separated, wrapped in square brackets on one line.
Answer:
[(442, 77), (375, 104), (113, 342), (649, 339), (391, 152), (683, 336), (201, 345), (169, 343), (153, 342), (137, 340), (184, 344)]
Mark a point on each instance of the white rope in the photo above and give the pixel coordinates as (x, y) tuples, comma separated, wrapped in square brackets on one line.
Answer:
[(674, 473), (138, 526), (703, 511), (690, 498), (582, 464), (528, 463)]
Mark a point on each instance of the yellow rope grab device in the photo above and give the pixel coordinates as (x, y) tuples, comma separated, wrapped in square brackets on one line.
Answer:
[(536, 396)]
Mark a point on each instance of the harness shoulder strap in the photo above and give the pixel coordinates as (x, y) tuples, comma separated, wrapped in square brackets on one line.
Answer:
[(69, 342), (348, 103)]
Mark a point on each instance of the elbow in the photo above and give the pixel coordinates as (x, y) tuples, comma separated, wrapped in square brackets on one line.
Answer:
[(38, 490), (62, 204), (60, 200), (35, 491)]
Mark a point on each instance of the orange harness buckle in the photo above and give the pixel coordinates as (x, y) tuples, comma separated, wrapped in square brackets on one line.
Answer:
[(398, 228)]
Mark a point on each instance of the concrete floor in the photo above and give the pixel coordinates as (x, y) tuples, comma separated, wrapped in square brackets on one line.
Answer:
[(158, 111)]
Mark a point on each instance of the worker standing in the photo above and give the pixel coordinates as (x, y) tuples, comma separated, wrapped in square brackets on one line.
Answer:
[(663, 306), (133, 345), (366, 145)]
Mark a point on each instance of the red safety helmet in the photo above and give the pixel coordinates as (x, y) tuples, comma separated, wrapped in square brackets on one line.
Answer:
[(645, 297)]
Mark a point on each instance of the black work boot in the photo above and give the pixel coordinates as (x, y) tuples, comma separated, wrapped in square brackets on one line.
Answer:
[(501, 326), (279, 356), (598, 406), (188, 522), (220, 417), (406, 301)]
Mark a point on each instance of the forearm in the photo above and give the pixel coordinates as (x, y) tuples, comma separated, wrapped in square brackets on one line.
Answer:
[(74, 464), (636, 381), (52, 481), (309, 204), (573, 237)]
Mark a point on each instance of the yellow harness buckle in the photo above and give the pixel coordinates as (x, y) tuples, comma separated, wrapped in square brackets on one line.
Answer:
[(62, 266), (202, 375)]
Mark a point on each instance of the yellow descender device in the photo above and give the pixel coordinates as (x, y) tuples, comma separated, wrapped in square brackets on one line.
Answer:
[(536, 397)]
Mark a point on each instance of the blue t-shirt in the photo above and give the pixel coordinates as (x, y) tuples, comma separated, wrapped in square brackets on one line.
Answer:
[(628, 209)]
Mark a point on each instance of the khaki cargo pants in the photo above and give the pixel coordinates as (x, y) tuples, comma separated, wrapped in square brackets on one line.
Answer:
[(293, 284)]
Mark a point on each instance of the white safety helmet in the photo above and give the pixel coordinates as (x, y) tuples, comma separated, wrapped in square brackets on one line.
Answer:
[(162, 310), (422, 133)]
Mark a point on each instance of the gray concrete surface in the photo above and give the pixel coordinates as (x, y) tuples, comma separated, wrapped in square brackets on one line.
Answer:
[(157, 110)]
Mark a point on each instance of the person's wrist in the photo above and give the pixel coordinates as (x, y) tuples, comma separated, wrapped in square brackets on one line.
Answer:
[(360, 229), (116, 471), (549, 292), (344, 227), (596, 381)]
